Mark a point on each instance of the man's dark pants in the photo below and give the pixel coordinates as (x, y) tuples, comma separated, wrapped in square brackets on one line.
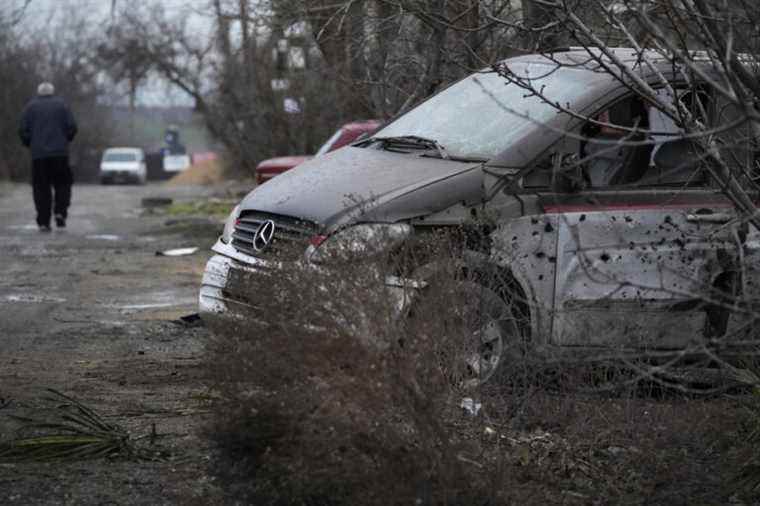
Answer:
[(49, 174)]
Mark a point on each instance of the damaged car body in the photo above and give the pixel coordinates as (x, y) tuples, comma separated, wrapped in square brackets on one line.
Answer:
[(605, 243)]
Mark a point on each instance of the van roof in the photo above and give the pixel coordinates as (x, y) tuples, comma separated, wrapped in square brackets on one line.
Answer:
[(588, 57)]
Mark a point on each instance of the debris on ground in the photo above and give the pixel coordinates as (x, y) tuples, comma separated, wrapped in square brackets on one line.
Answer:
[(470, 406), (68, 431), (190, 320), (177, 252), (153, 202)]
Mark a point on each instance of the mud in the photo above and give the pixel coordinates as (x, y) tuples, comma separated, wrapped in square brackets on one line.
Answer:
[(91, 311)]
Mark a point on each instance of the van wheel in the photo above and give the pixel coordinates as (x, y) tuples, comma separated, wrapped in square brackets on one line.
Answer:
[(491, 341), (479, 339)]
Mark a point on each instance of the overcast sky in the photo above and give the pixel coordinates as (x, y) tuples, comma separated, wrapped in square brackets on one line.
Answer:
[(41, 13), (98, 10)]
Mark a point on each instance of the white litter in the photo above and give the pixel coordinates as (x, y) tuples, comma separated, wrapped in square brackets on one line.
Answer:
[(30, 298), (470, 406), (179, 252)]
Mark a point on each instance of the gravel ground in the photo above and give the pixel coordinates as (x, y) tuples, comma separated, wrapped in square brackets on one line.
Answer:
[(92, 311)]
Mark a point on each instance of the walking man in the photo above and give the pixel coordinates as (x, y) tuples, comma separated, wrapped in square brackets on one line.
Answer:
[(47, 128)]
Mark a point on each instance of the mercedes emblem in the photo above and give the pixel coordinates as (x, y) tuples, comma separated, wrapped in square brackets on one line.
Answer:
[(263, 236)]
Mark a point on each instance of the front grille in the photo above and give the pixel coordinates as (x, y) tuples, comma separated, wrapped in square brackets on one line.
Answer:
[(290, 238)]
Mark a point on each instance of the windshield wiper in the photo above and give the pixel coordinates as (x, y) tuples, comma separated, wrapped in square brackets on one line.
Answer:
[(412, 141)]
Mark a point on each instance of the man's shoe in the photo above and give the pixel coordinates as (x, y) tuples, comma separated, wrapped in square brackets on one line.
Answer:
[(44, 228), (60, 221)]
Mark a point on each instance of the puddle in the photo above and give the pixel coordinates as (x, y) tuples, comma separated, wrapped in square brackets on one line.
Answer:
[(43, 252), (30, 298), (148, 306), (156, 300), (104, 237)]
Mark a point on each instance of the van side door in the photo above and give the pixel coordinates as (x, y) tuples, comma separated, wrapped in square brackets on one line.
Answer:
[(638, 255)]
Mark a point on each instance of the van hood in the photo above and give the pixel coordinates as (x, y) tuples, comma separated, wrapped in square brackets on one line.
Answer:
[(377, 185)]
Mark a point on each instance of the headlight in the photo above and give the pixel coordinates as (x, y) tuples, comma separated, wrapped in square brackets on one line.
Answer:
[(229, 225), (358, 242)]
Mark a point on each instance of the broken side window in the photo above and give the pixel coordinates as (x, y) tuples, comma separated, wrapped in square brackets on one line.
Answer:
[(614, 155), (676, 161)]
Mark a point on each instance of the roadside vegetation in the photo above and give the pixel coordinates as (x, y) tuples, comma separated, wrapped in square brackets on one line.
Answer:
[(327, 396), (67, 430)]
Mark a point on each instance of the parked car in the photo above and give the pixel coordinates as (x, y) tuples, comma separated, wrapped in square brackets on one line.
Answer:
[(601, 243), (345, 135), (123, 165)]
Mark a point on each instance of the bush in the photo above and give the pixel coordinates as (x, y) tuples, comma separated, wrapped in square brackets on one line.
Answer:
[(331, 395)]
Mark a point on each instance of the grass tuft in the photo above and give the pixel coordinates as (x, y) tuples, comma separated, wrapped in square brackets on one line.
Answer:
[(66, 432)]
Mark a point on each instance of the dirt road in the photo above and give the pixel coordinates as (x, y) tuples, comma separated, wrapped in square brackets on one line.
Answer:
[(91, 311)]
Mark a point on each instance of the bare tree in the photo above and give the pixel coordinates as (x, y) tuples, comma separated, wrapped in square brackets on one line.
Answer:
[(12, 15), (63, 55)]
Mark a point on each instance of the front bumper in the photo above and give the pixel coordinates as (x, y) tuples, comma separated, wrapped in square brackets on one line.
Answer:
[(218, 302), (120, 175), (215, 300)]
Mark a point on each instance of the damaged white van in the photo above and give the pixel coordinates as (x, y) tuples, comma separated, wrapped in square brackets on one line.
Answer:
[(611, 231)]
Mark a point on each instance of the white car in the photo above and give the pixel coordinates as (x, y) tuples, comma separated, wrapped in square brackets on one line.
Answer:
[(123, 165)]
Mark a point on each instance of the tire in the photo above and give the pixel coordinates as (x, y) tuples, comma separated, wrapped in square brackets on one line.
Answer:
[(481, 339)]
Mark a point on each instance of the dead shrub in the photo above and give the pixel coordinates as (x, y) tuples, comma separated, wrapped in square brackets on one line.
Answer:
[(330, 397), (330, 394)]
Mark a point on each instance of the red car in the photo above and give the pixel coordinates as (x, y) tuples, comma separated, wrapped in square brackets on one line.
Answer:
[(346, 134)]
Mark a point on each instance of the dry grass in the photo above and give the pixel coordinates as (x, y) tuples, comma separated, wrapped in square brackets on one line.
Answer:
[(202, 173), (66, 430), (325, 397)]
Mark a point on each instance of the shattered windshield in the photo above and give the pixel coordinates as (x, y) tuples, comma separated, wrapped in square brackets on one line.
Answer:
[(481, 115)]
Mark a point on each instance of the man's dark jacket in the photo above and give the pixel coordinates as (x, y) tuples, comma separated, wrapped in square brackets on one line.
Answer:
[(47, 127)]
